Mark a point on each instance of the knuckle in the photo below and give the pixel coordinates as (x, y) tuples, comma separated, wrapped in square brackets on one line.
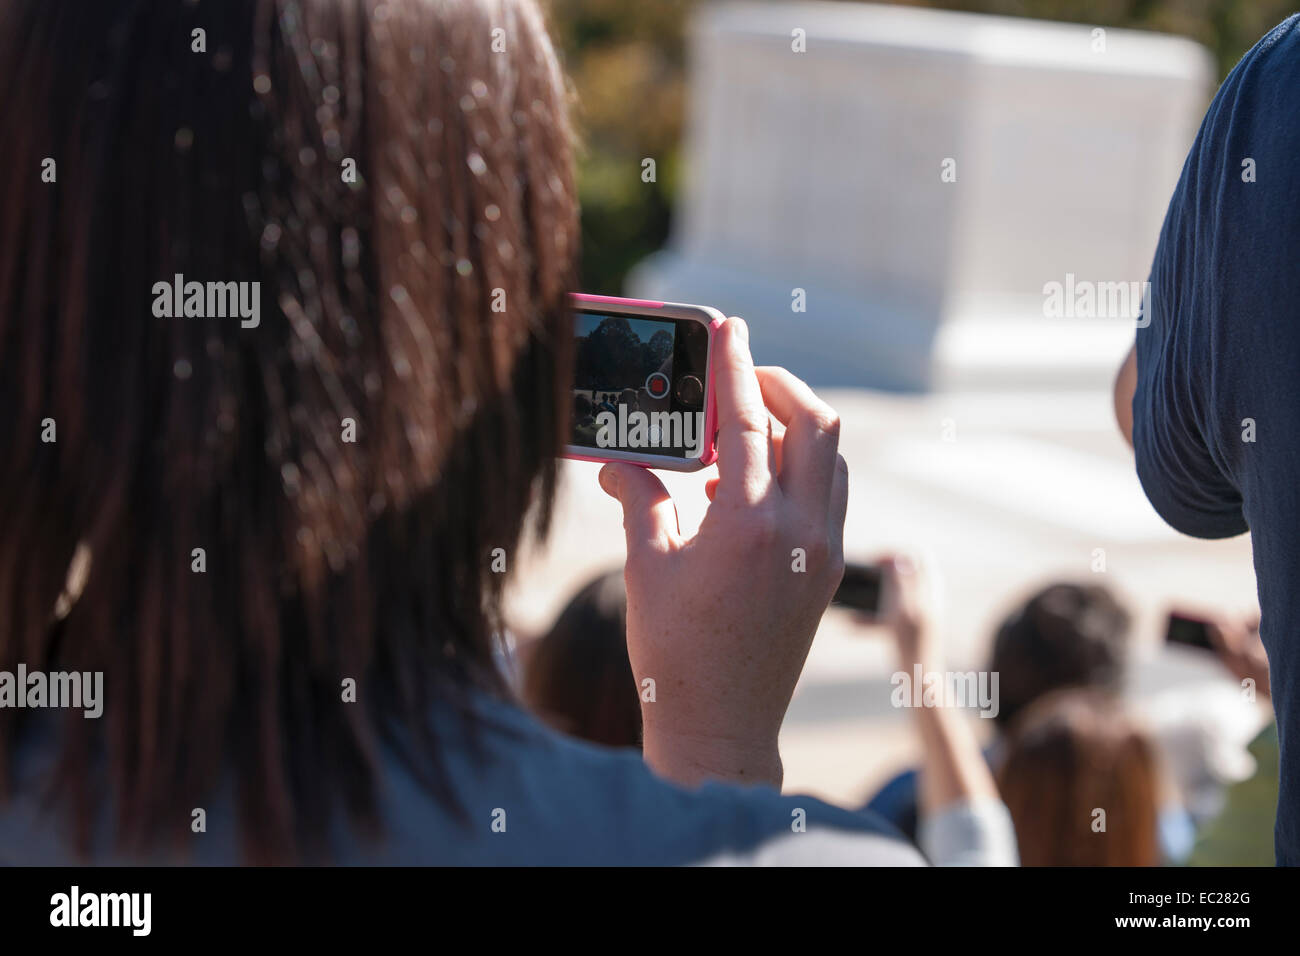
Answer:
[(827, 421), (762, 530), (835, 570), (818, 550), (752, 419)]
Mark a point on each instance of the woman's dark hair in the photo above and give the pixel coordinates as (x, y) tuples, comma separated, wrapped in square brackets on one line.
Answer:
[(1068, 756), (1066, 635), (397, 177), (579, 679)]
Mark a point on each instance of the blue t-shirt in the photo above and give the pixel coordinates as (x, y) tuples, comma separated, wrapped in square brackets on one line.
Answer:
[(530, 797), (1216, 414)]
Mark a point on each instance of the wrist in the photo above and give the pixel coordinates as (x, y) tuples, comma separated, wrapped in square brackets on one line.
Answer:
[(691, 758)]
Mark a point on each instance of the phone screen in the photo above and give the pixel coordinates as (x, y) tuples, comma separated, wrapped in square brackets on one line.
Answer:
[(638, 384), (860, 589), (1188, 631)]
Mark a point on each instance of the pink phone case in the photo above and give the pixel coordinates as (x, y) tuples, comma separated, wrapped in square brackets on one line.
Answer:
[(710, 317)]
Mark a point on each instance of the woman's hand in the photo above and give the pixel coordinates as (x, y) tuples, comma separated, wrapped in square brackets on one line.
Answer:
[(722, 621), (953, 769), (905, 611)]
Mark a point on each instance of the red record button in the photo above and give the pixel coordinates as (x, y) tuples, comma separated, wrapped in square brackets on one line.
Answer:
[(657, 384)]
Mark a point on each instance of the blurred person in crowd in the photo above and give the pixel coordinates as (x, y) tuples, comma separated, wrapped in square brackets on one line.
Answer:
[(578, 678), (957, 794), (1065, 635), (283, 530), (1082, 783), (581, 410), (1207, 396)]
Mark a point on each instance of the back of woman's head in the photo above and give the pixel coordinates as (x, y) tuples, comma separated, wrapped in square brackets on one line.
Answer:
[(396, 177), (1065, 635), (1081, 782), (579, 679)]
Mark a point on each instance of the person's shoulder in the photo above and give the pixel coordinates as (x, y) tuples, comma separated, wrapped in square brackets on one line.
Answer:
[(536, 796), (1279, 48), (1261, 90), (1253, 110), (713, 819)]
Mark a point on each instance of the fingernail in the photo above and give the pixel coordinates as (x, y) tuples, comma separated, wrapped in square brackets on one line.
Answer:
[(608, 479)]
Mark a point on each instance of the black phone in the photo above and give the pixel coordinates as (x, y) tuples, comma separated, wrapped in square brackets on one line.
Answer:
[(1188, 631), (860, 588)]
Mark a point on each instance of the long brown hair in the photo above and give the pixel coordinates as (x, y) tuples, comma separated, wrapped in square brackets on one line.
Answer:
[(1069, 755), (418, 302)]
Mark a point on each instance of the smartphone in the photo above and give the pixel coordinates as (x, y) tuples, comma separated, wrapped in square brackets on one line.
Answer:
[(860, 588), (1188, 631), (642, 391)]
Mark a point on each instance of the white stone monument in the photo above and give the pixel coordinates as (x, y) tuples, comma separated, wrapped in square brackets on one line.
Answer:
[(924, 177)]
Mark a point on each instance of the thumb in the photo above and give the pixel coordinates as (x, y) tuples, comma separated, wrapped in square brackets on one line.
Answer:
[(649, 515)]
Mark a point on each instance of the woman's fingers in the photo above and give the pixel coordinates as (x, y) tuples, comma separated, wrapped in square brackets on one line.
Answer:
[(649, 514), (812, 436), (778, 438), (746, 464)]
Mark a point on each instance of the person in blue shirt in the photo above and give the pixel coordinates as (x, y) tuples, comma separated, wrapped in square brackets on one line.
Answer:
[(1209, 395)]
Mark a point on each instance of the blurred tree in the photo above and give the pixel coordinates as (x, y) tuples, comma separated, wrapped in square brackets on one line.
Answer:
[(626, 60), (627, 64), (611, 357)]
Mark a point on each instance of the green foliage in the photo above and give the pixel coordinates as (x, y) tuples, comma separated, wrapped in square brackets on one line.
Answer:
[(626, 60)]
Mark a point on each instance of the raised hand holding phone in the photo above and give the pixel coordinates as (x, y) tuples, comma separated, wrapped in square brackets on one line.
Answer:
[(722, 621), (1234, 639)]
